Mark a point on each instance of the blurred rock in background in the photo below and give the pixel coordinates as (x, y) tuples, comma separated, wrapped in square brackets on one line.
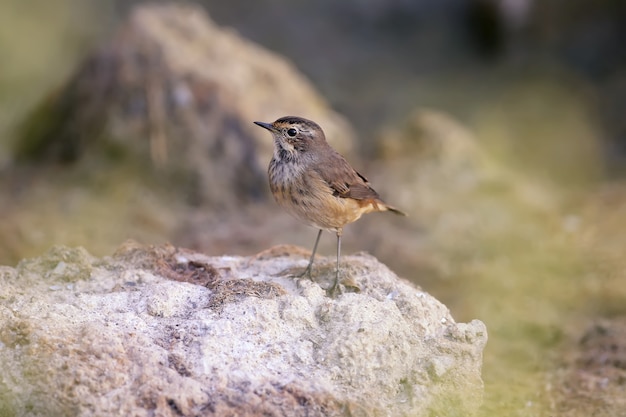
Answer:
[(155, 121), (498, 125), (173, 89)]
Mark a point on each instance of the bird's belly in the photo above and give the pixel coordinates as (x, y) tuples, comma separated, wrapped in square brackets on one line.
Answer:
[(312, 202), (324, 212)]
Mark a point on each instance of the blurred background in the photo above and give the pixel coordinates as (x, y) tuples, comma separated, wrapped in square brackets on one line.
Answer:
[(499, 126)]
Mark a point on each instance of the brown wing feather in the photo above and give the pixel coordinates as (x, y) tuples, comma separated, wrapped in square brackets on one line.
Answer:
[(344, 180), (361, 189)]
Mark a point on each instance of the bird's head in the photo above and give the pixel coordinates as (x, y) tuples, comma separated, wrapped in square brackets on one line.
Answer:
[(294, 136)]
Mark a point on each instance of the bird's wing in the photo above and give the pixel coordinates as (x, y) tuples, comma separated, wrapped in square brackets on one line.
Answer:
[(344, 180)]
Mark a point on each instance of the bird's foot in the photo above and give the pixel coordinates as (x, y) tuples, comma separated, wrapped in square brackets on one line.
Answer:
[(334, 291), (306, 273)]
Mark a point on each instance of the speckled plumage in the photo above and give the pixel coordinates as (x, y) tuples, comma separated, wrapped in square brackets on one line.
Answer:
[(314, 183)]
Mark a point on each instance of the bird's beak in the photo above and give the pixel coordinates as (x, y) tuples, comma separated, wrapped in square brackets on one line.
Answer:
[(268, 126)]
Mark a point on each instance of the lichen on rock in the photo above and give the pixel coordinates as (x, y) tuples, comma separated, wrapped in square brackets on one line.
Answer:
[(173, 332)]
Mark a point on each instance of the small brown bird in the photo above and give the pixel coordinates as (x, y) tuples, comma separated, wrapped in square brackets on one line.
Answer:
[(315, 184)]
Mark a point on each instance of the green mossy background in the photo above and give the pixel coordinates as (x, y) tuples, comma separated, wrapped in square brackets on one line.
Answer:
[(537, 256)]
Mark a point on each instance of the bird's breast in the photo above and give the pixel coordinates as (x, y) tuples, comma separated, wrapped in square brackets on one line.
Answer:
[(307, 197)]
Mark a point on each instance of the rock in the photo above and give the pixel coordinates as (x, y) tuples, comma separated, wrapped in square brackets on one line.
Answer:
[(166, 331), (452, 187), (434, 152), (591, 370), (173, 88)]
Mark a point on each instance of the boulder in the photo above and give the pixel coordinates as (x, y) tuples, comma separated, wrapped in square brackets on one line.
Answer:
[(179, 94), (170, 332)]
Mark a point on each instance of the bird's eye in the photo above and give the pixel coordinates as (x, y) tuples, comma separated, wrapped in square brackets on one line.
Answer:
[(292, 132)]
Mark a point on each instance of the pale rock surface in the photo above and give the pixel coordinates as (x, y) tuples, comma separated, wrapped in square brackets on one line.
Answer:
[(165, 331)]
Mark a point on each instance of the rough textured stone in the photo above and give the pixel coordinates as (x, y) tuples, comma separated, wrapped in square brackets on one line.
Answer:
[(163, 331)]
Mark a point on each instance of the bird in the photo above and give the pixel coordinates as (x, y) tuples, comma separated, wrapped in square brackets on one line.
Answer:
[(315, 184)]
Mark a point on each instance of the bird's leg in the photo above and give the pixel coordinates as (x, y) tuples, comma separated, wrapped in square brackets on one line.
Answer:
[(307, 271), (336, 283)]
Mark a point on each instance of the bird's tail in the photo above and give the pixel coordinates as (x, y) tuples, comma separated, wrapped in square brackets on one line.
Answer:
[(395, 210), (382, 206)]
